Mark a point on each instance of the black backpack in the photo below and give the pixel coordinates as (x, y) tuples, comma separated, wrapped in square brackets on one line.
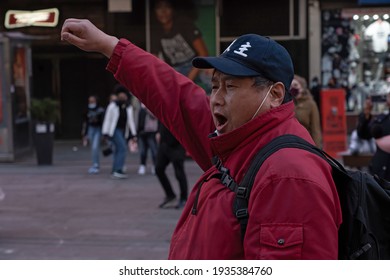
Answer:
[(364, 199)]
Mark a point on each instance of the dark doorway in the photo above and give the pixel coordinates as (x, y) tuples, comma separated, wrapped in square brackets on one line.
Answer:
[(43, 81), (81, 77)]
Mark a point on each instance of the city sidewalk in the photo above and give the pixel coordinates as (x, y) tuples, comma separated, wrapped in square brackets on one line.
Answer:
[(62, 212)]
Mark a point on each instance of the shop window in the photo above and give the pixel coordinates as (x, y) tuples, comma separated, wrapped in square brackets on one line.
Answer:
[(356, 55)]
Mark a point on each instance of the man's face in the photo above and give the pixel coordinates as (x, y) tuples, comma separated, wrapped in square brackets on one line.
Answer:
[(234, 101)]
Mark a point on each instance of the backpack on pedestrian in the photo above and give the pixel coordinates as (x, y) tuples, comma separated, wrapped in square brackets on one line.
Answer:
[(365, 201)]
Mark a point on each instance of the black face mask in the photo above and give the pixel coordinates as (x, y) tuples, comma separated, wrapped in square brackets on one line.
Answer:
[(294, 92), (120, 102)]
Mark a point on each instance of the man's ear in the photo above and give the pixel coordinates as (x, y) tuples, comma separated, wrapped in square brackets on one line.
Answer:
[(277, 94)]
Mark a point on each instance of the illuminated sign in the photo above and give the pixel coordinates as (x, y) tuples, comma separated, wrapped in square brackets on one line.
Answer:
[(45, 18)]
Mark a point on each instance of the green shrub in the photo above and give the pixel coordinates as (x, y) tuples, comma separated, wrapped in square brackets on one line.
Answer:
[(45, 110)]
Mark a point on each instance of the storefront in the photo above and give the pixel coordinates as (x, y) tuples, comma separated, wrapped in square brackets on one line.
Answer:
[(354, 64), (355, 53), (15, 89)]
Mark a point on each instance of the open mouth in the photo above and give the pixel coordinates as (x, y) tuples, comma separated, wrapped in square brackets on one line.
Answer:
[(220, 122)]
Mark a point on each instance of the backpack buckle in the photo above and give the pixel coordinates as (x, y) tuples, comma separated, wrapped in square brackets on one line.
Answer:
[(228, 181), (241, 192), (242, 213)]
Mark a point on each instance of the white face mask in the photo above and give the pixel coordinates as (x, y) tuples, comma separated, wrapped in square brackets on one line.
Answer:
[(261, 105)]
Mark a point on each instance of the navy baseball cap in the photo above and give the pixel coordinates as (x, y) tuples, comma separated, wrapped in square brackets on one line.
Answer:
[(253, 55)]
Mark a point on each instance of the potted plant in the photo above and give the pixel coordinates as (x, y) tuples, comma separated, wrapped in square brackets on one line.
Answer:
[(44, 114)]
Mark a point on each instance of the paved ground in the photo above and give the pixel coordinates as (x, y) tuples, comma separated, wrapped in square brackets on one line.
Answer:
[(61, 212)]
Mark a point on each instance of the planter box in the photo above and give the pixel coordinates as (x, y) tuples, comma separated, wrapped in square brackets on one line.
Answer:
[(43, 135)]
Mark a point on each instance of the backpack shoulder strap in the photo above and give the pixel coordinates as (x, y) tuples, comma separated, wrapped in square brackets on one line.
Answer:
[(240, 204), (283, 141)]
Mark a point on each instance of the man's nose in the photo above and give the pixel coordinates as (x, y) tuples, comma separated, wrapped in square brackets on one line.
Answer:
[(218, 98)]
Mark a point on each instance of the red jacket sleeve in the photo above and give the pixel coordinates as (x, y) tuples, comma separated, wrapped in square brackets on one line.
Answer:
[(181, 105)]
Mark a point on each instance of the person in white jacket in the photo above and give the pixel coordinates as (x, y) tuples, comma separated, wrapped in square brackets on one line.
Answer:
[(119, 127)]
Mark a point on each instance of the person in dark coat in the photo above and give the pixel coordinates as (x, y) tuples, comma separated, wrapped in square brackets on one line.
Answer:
[(170, 151), (377, 127)]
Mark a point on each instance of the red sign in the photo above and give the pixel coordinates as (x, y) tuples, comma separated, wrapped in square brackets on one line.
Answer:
[(45, 18), (334, 124)]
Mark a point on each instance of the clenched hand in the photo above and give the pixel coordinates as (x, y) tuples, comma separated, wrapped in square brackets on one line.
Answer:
[(86, 36)]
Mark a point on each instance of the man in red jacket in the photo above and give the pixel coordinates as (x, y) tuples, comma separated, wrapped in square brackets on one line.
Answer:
[(294, 210)]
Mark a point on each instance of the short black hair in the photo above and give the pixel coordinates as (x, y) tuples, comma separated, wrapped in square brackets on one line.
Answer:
[(261, 81)]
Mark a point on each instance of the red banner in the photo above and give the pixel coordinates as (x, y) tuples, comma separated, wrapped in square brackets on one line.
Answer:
[(334, 124)]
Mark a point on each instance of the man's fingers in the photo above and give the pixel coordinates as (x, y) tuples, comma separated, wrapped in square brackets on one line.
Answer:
[(64, 36), (74, 40), (72, 31), (68, 25), (74, 26), (67, 36)]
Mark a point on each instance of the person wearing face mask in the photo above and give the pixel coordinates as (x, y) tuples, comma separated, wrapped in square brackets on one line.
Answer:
[(294, 209), (119, 127), (306, 110), (92, 131)]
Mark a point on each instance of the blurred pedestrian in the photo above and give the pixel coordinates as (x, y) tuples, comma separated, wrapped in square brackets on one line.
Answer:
[(171, 151), (146, 134), (108, 145), (306, 110), (119, 127), (92, 131), (377, 127), (359, 146)]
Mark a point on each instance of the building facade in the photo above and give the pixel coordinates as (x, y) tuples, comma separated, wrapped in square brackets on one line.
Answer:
[(69, 75)]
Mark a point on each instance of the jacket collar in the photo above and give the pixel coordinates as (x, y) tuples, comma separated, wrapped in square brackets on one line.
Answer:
[(223, 145)]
